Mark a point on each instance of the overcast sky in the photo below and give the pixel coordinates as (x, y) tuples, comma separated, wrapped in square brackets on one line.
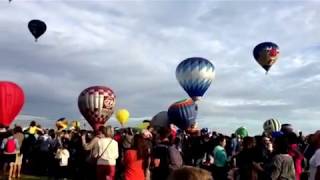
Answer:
[(134, 47)]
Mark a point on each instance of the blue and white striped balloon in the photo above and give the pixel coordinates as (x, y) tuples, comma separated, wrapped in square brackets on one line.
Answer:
[(271, 125), (195, 76)]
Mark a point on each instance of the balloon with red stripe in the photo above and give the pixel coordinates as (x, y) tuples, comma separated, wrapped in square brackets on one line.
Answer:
[(96, 104), (11, 102), (183, 113)]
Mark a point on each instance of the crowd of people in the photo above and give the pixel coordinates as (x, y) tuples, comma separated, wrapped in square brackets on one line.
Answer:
[(157, 154)]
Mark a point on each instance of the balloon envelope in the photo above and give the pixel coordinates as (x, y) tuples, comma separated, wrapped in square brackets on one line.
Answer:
[(144, 125), (122, 116), (266, 54), (62, 124), (160, 120), (96, 104), (286, 128), (11, 102), (242, 132), (183, 113), (271, 125), (37, 28), (195, 76)]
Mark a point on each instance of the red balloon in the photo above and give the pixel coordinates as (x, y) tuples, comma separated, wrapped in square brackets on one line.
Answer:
[(11, 102), (96, 104)]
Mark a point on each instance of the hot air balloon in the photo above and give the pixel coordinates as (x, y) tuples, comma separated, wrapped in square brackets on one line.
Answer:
[(11, 102), (266, 54), (144, 125), (271, 125), (160, 120), (195, 76), (37, 28), (122, 116), (183, 113), (62, 124), (242, 132), (286, 128), (75, 125), (96, 104)]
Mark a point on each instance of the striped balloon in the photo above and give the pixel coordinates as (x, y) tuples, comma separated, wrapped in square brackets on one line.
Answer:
[(96, 104), (271, 125), (183, 113), (195, 76)]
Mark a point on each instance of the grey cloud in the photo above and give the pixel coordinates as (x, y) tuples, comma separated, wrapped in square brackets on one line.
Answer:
[(133, 47)]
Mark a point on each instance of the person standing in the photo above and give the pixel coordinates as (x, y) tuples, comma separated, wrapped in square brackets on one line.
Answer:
[(20, 137), (294, 152), (136, 159), (63, 156), (245, 160), (282, 167), (9, 148), (106, 152), (314, 163), (160, 156), (220, 160)]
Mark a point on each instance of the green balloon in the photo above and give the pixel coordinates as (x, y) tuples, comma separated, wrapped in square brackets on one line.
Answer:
[(242, 132)]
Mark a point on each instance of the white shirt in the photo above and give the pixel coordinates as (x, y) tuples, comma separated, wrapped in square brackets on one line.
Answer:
[(314, 163), (110, 154), (63, 155)]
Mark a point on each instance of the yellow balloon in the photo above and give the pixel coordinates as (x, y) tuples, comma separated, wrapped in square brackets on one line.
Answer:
[(122, 116), (62, 124), (75, 124), (144, 125)]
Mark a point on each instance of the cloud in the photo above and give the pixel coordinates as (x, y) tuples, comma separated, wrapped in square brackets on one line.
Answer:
[(134, 47)]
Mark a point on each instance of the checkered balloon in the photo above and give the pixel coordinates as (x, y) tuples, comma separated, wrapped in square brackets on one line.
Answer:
[(96, 104)]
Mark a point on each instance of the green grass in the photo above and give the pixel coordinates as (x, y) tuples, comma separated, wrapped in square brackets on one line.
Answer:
[(29, 177)]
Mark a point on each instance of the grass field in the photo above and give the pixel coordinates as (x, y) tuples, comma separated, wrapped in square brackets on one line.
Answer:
[(26, 177)]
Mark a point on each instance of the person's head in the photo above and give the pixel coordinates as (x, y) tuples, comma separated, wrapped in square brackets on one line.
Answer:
[(150, 128), (214, 135), (17, 129), (33, 123), (248, 142), (129, 131), (266, 141), (233, 135), (164, 133), (194, 125), (292, 138), (222, 140), (141, 146), (108, 131), (281, 145), (315, 139), (9, 133), (51, 133), (190, 173)]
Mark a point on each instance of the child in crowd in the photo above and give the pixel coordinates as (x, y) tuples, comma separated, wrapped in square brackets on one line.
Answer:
[(63, 156)]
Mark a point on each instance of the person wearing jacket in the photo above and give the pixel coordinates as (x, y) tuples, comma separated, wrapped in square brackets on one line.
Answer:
[(106, 152)]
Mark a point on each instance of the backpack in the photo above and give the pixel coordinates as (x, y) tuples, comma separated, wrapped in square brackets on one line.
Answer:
[(11, 146)]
